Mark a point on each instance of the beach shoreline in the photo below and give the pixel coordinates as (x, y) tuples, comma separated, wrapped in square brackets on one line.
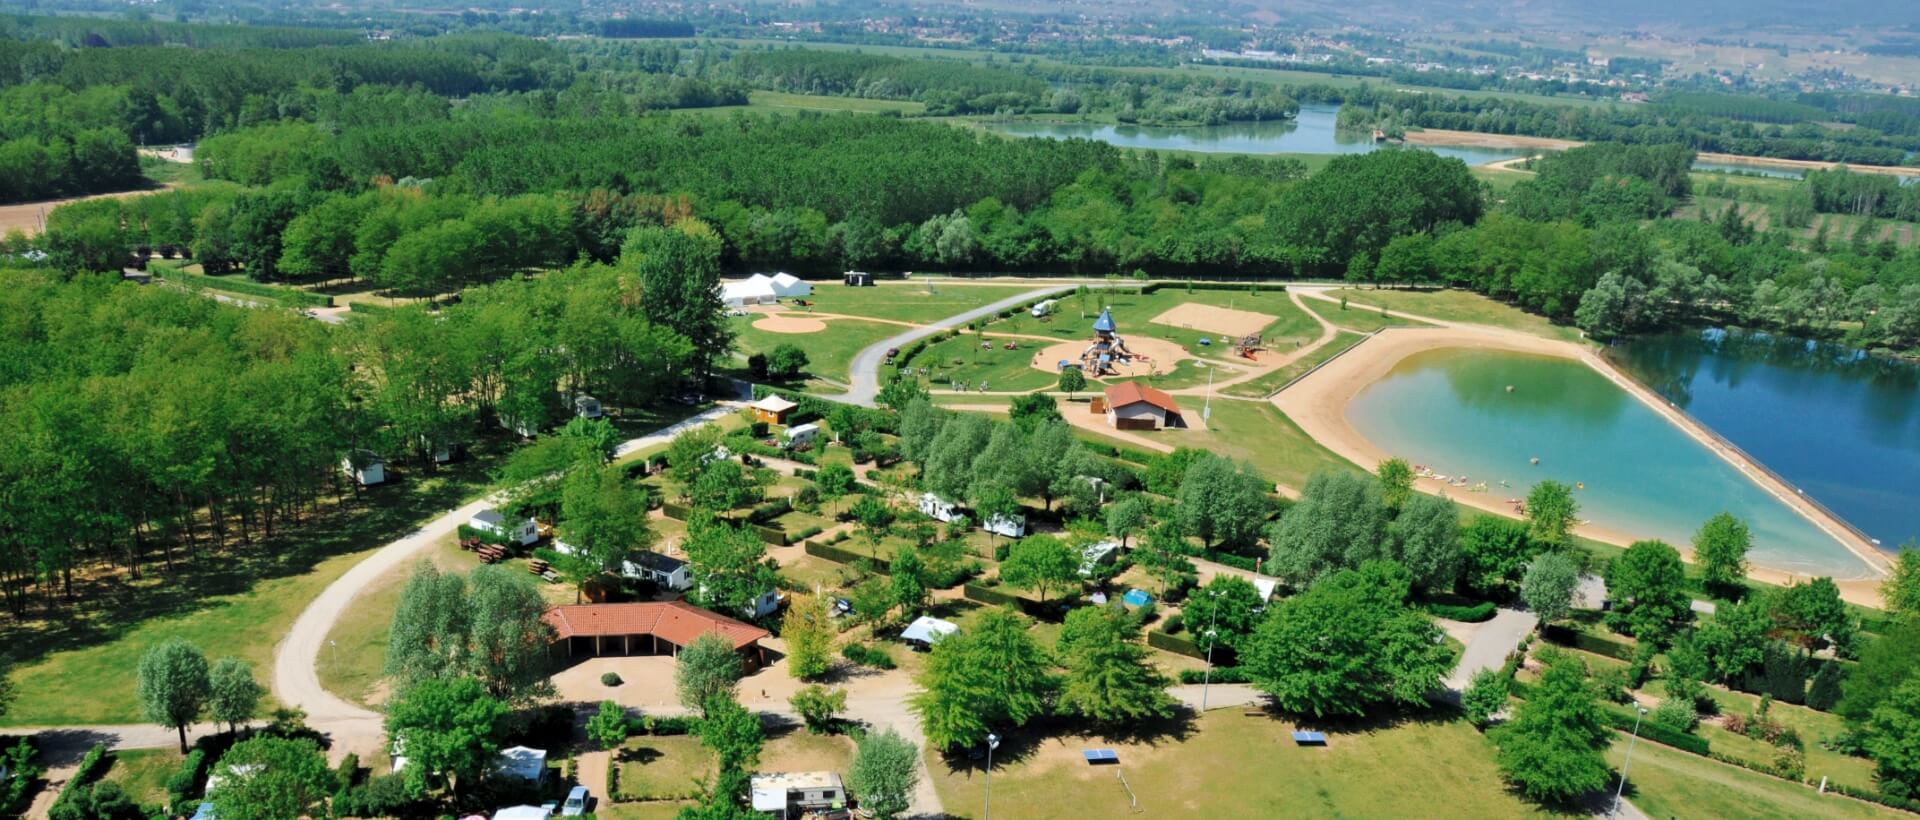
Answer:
[(1318, 403), (1518, 142)]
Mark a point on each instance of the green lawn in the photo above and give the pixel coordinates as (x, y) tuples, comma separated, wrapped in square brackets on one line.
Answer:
[(236, 603), (1356, 318), (352, 662), (1237, 766), (1453, 306), (1271, 383), (919, 300), (1666, 782), (830, 352), (1257, 432), (962, 359), (662, 767), (143, 773), (782, 101)]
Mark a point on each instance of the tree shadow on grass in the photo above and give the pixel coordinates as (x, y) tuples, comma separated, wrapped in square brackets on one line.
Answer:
[(106, 606)]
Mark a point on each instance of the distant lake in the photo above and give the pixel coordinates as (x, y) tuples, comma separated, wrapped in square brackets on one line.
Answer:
[(1450, 410), (1312, 132), (1839, 424)]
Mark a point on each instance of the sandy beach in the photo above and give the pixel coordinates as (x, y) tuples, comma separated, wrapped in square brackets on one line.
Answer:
[(1475, 139), (1318, 403)]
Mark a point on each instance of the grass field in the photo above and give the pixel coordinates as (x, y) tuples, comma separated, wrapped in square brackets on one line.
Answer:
[(1229, 765), (1258, 433), (143, 773), (961, 359), (663, 767), (356, 651), (1267, 385), (238, 603), (1666, 782), (782, 101), (1358, 319), (919, 300), (830, 352), (1448, 305)]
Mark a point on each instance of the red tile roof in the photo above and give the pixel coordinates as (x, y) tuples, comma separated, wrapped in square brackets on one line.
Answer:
[(676, 622), (1125, 393)]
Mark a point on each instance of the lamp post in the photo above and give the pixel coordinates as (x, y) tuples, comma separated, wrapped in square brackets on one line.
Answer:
[(1206, 413), (1641, 711), (1206, 681), (993, 742)]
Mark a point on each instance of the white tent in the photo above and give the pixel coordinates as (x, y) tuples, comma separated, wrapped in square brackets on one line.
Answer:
[(787, 285), (756, 290), (523, 763), (522, 813), (928, 630)]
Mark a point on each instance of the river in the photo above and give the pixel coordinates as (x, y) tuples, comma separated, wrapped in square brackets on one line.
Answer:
[(1451, 410), (1840, 425)]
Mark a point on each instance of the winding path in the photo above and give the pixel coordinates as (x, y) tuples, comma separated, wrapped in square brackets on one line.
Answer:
[(865, 389)]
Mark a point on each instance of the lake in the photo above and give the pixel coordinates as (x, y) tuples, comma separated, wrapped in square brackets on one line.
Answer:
[(1312, 132), (1450, 410), (1837, 423)]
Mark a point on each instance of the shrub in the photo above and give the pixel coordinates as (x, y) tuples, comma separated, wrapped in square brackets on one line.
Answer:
[(383, 796), (348, 772), (1675, 714), (867, 656), (1221, 674), (184, 785), (610, 679), (1173, 625), (668, 725), (1483, 611), (1179, 646)]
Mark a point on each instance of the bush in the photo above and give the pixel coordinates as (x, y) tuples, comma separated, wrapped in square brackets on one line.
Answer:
[(668, 725), (1675, 714), (26, 773), (286, 296), (1624, 721), (348, 772), (1477, 613), (1221, 674), (70, 803), (865, 656), (841, 556), (383, 796), (1174, 624), (1179, 646), (610, 679), (185, 783)]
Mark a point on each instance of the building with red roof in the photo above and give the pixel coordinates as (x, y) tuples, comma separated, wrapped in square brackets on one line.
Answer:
[(1135, 406), (648, 628)]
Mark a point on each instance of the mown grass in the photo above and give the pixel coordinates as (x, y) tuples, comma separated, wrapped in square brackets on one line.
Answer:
[(830, 352), (919, 300), (1270, 383), (1258, 433), (1229, 765), (1453, 306), (143, 773), (782, 101), (1362, 317), (1664, 782)]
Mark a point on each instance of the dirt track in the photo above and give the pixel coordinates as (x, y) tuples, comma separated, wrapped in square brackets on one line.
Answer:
[(30, 217)]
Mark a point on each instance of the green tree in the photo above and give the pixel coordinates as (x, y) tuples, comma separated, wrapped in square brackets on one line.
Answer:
[(1721, 548), (450, 727), (836, 481), (1549, 584), (729, 565), (679, 271), (1734, 641), (1109, 679), (608, 728), (1041, 563), (707, 666), (990, 675), (1647, 584), (1396, 482), (820, 707), (1339, 523), (1812, 613), (1127, 516), (1893, 739), (721, 487), (489, 625), (173, 686), (1347, 645), (1223, 502), (872, 600), (689, 454), (733, 734), (233, 696), (1885, 665), (1425, 537), (1228, 605), (885, 770), (1484, 697), (908, 574), (603, 520), (1554, 750), (1494, 552), (272, 777), (1901, 589), (1161, 554), (1034, 408), (1550, 512), (809, 633), (786, 361), (1072, 381)]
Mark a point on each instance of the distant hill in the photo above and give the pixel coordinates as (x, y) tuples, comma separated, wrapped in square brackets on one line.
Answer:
[(1707, 15)]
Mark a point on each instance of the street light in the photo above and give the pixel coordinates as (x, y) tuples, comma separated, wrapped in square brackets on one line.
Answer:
[(993, 742), (1206, 682), (1206, 413), (1615, 811)]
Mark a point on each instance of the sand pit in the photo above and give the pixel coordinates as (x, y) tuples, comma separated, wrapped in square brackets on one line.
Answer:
[(789, 324), (1160, 357), (1211, 319)]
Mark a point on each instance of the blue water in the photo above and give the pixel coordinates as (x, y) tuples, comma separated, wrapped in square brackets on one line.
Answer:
[(1840, 425), (1644, 477)]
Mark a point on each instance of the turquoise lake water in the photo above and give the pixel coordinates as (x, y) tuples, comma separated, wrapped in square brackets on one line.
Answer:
[(1450, 410), (1835, 422)]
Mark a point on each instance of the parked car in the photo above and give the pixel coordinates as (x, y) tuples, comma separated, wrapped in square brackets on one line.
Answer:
[(576, 804)]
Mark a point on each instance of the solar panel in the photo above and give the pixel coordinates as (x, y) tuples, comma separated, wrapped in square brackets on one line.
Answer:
[(1100, 756)]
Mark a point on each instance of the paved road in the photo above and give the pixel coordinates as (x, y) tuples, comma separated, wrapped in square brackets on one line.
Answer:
[(866, 364), (1491, 644)]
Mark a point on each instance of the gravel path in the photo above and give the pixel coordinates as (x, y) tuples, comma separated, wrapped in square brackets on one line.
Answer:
[(866, 364)]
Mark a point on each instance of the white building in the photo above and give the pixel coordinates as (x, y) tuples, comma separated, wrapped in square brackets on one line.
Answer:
[(523, 532), (667, 571), (366, 468), (1011, 526), (1134, 406), (789, 286), (754, 290), (587, 407)]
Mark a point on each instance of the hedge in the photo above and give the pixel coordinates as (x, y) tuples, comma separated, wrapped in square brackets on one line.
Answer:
[(839, 555), (776, 537), (289, 296), (1177, 645), (1876, 797), (1483, 611), (677, 512), (1587, 641), (988, 595), (770, 510), (1221, 674), (1623, 721), (91, 767), (1231, 560), (185, 784), (368, 307), (485, 536)]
